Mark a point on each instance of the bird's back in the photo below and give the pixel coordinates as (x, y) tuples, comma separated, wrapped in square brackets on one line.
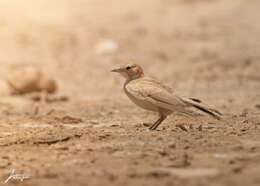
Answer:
[(148, 91)]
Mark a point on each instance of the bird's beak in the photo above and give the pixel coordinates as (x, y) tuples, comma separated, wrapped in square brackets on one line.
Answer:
[(117, 70)]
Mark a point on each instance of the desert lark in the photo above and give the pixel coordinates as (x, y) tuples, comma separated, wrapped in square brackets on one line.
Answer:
[(152, 95)]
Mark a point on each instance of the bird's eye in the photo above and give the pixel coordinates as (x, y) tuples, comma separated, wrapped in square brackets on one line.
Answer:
[(128, 68)]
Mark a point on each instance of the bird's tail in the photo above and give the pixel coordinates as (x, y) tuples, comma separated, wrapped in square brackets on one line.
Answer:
[(198, 105)]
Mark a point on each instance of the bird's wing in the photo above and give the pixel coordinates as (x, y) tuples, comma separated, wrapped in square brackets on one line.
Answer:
[(158, 84), (154, 92)]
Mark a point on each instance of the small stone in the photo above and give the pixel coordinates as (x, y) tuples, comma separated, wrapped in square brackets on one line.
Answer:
[(107, 46), (29, 79)]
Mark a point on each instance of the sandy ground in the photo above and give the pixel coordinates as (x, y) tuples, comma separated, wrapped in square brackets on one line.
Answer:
[(209, 49)]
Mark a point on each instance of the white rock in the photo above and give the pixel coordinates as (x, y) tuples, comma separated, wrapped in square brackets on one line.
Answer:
[(192, 173), (107, 46)]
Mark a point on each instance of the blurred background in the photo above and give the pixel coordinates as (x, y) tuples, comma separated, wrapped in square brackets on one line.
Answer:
[(181, 41), (207, 49), (206, 45)]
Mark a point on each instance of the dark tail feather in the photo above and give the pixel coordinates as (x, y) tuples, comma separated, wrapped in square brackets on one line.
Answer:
[(196, 100), (197, 104), (216, 116), (216, 111)]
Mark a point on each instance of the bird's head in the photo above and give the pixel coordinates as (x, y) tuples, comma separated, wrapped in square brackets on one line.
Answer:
[(130, 72)]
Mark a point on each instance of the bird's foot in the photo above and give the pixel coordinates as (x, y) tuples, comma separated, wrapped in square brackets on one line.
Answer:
[(152, 129)]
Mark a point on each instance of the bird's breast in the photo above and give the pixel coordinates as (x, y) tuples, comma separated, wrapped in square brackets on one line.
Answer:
[(141, 102)]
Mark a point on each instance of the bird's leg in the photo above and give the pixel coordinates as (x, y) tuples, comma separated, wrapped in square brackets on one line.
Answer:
[(158, 122)]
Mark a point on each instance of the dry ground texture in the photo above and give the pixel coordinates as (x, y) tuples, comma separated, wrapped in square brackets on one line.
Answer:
[(209, 49)]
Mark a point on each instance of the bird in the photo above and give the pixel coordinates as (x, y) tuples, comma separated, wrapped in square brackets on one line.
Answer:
[(150, 94)]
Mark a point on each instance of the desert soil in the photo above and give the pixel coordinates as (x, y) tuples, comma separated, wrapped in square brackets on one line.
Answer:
[(208, 49)]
